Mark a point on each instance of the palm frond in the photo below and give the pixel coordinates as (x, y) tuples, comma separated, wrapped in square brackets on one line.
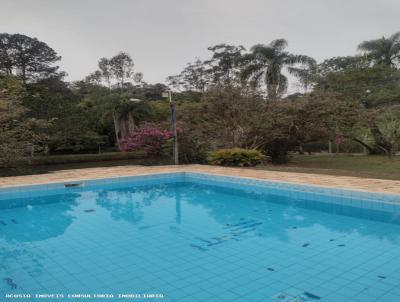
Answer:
[(262, 52), (250, 70), (279, 44), (257, 76), (383, 50), (395, 50), (395, 37), (371, 45), (297, 72), (291, 59)]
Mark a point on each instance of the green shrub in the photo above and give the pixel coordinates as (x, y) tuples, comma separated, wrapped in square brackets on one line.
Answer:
[(236, 157)]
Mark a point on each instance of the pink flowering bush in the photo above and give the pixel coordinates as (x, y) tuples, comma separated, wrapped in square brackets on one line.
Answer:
[(339, 139), (147, 138)]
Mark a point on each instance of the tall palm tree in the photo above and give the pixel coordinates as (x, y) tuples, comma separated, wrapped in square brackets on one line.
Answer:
[(384, 50), (265, 63)]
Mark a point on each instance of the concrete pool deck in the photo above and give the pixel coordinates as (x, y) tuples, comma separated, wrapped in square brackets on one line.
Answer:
[(345, 182)]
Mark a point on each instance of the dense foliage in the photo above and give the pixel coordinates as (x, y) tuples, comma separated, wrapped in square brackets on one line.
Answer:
[(27, 57), (236, 98), (19, 134)]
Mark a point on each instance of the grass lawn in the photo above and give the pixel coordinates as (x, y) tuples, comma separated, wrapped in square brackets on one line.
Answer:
[(343, 164), (48, 164)]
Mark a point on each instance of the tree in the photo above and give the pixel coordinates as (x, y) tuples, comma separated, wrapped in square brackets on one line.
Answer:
[(384, 51), (27, 57), (264, 64), (138, 78), (233, 116), (117, 70), (343, 64), (332, 115), (113, 113), (388, 130), (375, 90), (121, 67), (223, 68), (105, 70), (236, 116), (95, 77), (114, 108), (71, 129), (224, 65), (194, 77), (226, 117), (20, 136), (373, 86)]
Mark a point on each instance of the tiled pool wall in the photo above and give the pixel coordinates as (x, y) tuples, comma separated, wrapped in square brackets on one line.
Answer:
[(359, 199), (257, 187), (360, 204)]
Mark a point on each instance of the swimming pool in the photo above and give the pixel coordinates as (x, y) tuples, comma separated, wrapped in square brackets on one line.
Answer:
[(197, 237)]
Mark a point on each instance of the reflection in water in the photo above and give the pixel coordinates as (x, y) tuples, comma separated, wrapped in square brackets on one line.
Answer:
[(178, 213), (27, 226), (285, 214), (129, 204), (121, 204), (36, 222)]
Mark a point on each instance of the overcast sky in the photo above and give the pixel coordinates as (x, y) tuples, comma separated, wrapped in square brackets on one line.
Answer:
[(163, 35)]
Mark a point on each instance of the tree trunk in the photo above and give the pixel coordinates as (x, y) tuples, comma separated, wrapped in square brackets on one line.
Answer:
[(23, 71), (116, 130), (369, 148), (381, 142), (272, 92), (126, 124)]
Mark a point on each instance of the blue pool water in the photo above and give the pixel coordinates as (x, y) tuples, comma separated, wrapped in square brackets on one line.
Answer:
[(193, 239)]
